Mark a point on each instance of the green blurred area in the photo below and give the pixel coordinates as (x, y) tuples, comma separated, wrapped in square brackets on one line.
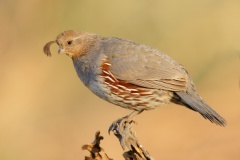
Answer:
[(47, 113)]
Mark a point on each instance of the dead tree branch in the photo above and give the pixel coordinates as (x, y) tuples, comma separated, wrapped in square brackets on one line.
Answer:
[(122, 129), (96, 152)]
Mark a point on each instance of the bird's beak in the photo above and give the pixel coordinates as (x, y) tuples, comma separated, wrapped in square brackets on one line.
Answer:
[(61, 50)]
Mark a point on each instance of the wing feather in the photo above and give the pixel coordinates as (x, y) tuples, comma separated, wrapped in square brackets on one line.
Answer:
[(143, 66)]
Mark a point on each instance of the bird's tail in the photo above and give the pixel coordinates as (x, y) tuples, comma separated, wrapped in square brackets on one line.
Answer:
[(195, 102)]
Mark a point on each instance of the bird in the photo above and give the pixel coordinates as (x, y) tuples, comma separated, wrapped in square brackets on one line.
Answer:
[(129, 74)]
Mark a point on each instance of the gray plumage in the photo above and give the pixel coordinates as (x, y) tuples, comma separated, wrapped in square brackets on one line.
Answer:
[(131, 75)]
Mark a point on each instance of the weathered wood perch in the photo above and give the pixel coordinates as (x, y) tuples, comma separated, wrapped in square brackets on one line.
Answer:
[(122, 129), (96, 152)]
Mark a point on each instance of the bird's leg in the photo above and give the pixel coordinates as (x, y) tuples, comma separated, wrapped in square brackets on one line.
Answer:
[(122, 128), (121, 121)]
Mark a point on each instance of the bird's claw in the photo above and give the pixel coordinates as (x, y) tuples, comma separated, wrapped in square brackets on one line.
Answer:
[(121, 122), (113, 126), (121, 129)]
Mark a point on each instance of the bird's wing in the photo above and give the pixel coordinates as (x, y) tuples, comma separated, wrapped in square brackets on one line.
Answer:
[(144, 66)]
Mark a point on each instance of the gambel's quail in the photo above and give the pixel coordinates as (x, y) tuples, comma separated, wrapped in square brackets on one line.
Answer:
[(130, 75)]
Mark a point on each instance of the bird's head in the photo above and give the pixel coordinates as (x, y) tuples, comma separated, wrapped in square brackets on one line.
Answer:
[(72, 43)]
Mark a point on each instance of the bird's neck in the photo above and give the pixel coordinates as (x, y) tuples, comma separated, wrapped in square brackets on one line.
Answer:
[(86, 65)]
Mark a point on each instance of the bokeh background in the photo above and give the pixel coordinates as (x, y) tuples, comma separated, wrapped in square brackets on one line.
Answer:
[(47, 113)]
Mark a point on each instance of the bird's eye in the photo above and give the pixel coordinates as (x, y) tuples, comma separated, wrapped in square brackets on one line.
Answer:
[(69, 42)]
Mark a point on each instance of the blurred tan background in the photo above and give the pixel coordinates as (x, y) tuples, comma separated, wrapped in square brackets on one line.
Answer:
[(47, 113)]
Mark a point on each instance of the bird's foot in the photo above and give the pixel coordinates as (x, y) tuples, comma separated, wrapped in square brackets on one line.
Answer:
[(122, 121), (122, 128)]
